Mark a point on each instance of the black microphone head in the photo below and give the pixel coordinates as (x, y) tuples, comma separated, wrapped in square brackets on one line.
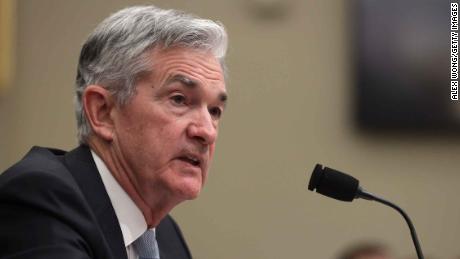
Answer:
[(333, 183)]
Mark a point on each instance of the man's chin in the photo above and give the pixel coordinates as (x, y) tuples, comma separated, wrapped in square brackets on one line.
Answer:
[(190, 189), (192, 193)]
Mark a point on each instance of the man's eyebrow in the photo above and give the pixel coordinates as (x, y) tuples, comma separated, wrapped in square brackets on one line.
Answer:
[(189, 83), (223, 97)]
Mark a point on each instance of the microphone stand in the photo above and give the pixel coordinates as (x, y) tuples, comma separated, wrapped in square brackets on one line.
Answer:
[(361, 193)]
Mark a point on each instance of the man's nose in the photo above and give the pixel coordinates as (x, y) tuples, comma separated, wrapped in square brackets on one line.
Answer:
[(203, 128)]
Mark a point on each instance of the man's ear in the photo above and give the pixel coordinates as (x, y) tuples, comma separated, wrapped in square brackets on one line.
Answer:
[(98, 104)]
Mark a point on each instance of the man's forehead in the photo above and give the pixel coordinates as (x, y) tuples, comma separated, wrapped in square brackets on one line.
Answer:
[(193, 60), (185, 53)]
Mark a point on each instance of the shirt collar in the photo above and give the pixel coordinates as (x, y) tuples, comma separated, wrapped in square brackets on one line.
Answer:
[(130, 217)]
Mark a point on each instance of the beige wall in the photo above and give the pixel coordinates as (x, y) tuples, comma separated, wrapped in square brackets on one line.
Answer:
[(289, 95)]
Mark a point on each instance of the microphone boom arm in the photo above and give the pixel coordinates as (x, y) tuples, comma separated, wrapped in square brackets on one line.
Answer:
[(361, 193)]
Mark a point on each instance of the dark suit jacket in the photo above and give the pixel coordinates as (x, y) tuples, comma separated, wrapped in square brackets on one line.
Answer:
[(53, 204)]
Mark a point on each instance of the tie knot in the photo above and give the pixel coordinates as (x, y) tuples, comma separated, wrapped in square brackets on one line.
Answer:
[(146, 245)]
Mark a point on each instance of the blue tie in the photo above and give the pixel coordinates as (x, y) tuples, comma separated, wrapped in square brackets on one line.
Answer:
[(146, 245)]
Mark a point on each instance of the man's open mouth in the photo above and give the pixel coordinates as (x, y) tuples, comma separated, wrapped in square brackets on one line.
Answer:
[(191, 160)]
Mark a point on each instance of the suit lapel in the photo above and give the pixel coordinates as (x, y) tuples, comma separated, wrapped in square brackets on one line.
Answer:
[(81, 164)]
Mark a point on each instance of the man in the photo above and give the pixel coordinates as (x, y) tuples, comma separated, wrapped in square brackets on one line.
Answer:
[(150, 92)]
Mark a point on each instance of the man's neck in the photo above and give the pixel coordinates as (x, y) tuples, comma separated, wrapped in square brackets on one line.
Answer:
[(119, 169)]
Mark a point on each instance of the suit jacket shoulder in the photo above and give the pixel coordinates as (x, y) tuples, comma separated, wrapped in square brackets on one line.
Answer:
[(53, 204), (44, 214)]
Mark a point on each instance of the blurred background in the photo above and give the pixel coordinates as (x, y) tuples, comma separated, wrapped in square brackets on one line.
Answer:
[(310, 82)]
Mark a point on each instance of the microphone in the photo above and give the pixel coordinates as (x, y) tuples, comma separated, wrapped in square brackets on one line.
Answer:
[(343, 187)]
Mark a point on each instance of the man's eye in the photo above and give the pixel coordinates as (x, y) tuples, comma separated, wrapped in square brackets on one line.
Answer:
[(178, 99), (215, 112)]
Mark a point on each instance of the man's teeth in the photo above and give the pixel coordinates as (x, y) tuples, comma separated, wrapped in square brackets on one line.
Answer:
[(193, 160)]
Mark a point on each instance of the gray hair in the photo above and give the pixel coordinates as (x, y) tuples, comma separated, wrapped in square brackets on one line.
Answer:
[(115, 54)]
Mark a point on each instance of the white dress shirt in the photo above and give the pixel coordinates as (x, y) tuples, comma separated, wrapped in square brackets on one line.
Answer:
[(130, 217)]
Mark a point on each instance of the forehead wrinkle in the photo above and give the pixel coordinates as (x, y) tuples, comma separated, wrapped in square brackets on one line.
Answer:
[(187, 68), (187, 75), (207, 67), (207, 61)]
